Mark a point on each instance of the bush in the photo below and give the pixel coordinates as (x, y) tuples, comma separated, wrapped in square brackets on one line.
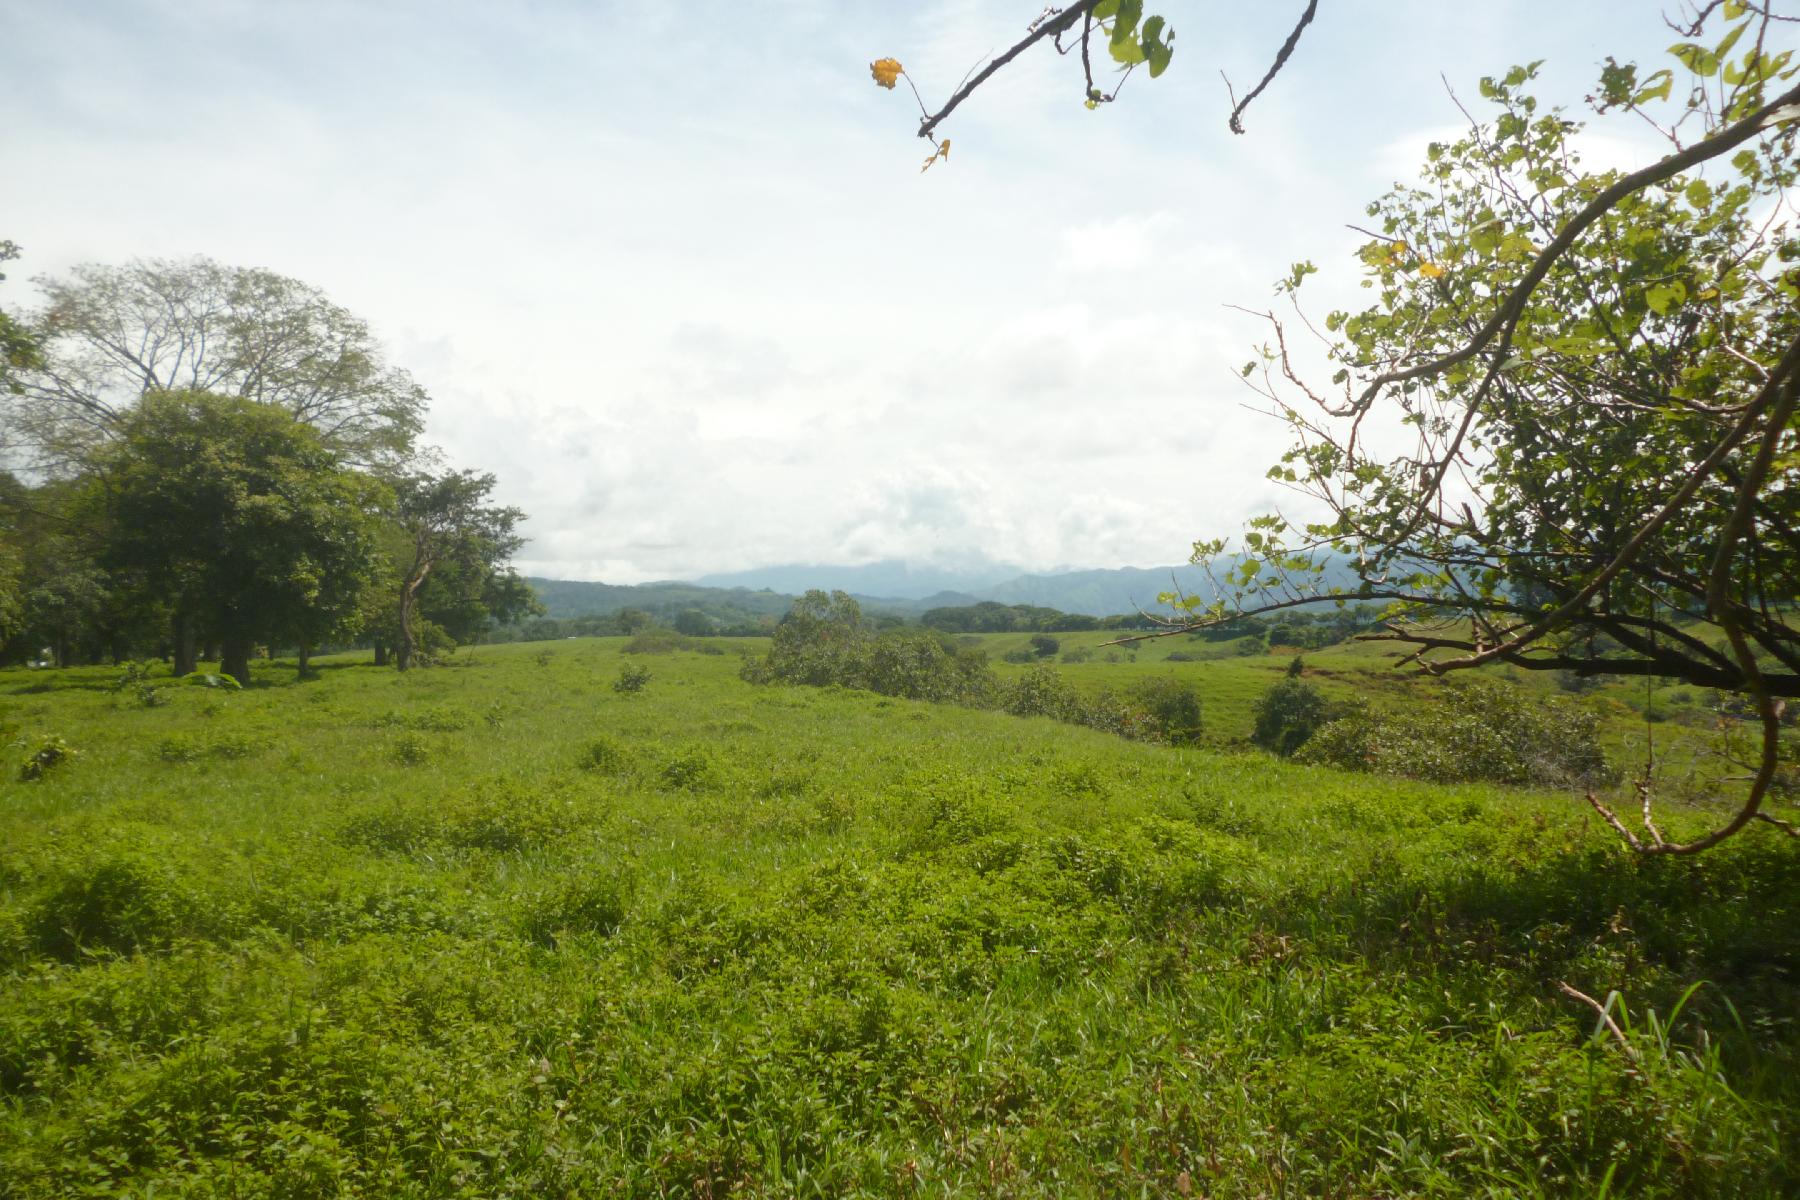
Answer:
[(604, 755), (1477, 730), (410, 750), (118, 904), (578, 905), (51, 752), (1045, 646), (1173, 706), (632, 679), (658, 641), (1288, 714)]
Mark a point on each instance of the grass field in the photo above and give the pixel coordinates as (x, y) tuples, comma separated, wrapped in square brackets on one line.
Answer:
[(499, 929)]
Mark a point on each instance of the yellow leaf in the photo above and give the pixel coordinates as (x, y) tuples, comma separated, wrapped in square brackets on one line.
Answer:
[(1431, 270), (886, 72), (943, 152)]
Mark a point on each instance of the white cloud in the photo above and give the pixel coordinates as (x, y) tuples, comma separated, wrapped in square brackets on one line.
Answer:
[(681, 286)]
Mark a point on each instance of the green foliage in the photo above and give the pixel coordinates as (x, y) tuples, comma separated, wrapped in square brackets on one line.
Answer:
[(50, 753), (1626, 382), (120, 903), (1478, 729), (606, 755), (1173, 706), (632, 679), (574, 906), (1289, 713), (782, 940), (238, 516)]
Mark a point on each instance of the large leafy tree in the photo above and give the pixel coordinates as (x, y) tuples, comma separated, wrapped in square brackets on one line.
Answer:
[(248, 526), (109, 335), (1564, 436)]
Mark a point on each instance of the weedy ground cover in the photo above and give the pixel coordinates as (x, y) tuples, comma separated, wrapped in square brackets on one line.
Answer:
[(502, 928)]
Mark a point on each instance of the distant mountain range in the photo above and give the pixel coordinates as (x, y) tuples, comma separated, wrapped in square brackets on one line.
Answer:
[(891, 580), (883, 586)]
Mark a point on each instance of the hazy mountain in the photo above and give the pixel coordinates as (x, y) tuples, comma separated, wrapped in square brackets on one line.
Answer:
[(889, 587), (1101, 593), (583, 598), (892, 579)]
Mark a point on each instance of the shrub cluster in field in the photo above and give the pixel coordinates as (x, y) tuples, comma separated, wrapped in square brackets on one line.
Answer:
[(1474, 729), (824, 642)]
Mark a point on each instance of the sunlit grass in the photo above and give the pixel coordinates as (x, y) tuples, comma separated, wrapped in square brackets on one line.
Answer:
[(498, 929)]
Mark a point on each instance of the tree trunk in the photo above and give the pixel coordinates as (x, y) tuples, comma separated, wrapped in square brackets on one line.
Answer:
[(381, 652), (184, 656), (305, 660), (234, 659), (213, 652), (404, 648)]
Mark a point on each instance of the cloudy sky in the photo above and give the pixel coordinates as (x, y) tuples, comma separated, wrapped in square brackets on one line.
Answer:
[(671, 271)]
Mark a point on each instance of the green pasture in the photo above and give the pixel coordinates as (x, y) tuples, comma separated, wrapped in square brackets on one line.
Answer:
[(497, 928)]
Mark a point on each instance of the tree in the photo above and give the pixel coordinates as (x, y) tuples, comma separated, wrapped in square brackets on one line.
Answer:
[(109, 335), (1597, 377), (236, 514), (448, 524), (18, 348), (693, 623), (1599, 373), (1289, 713)]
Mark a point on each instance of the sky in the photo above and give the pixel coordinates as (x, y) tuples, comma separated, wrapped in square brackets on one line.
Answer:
[(673, 274)]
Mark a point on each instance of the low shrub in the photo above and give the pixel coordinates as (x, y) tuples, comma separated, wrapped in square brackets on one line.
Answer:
[(48, 755), (1173, 706), (118, 904), (605, 755), (1477, 730), (581, 904), (632, 679)]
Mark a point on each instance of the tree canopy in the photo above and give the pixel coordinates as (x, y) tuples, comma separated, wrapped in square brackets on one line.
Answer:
[(1563, 434), (111, 334), (237, 517)]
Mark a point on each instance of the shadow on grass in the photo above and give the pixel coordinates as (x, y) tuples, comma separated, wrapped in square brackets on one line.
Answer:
[(1731, 917)]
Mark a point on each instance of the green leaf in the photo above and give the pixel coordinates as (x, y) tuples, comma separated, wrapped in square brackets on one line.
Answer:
[(1665, 296), (1156, 48), (1698, 59), (1658, 86)]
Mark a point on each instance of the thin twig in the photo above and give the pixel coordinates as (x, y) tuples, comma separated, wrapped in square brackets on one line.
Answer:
[(1281, 57), (1612, 1026)]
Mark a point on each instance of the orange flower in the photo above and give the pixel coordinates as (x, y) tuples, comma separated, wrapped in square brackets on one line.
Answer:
[(886, 72)]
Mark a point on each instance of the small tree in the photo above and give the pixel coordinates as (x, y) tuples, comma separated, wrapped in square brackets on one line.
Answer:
[(1288, 714), (446, 520)]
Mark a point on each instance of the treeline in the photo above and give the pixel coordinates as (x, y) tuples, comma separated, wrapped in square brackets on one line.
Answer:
[(990, 616), (629, 622), (1297, 627), (201, 461), (825, 641)]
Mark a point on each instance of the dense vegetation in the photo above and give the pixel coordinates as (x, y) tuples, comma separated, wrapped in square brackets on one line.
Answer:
[(201, 461), (504, 928)]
